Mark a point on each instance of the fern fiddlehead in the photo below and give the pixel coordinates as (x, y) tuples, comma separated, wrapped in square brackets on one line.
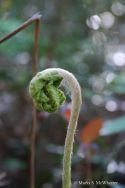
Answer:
[(45, 92), (46, 95)]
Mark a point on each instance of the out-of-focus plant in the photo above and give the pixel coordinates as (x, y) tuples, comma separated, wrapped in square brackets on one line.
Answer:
[(35, 18)]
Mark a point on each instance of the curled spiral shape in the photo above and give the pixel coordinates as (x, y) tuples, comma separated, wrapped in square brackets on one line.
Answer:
[(44, 89), (45, 92)]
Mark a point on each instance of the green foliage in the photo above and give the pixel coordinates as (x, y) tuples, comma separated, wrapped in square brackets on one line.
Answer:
[(66, 41), (113, 126), (13, 164), (118, 84), (19, 43)]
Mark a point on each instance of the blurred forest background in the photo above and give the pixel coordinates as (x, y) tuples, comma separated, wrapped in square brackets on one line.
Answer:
[(86, 37)]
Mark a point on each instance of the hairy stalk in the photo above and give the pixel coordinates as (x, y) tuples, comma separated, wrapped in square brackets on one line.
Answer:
[(43, 88), (71, 82), (35, 18)]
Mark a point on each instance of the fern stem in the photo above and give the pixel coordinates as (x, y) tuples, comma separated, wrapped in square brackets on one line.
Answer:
[(41, 98), (75, 90)]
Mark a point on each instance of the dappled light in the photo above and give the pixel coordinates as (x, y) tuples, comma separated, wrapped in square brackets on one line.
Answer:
[(111, 106), (86, 38), (118, 8), (94, 22), (119, 59), (107, 20)]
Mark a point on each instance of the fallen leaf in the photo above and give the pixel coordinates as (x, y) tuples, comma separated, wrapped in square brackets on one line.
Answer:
[(91, 130)]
